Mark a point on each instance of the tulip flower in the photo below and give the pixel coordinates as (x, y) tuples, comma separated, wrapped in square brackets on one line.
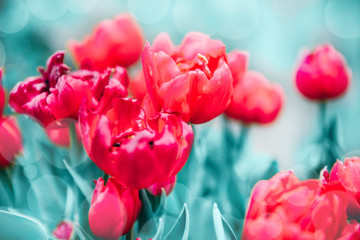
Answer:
[(168, 186), (117, 42), (60, 133), (10, 135), (285, 207), (137, 150), (345, 177), (192, 79), (58, 93), (255, 100), (114, 209), (348, 174), (323, 74)]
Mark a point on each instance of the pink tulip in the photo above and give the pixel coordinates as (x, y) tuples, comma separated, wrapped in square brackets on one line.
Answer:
[(192, 79), (117, 42), (286, 208), (255, 100), (10, 135), (323, 74), (114, 209)]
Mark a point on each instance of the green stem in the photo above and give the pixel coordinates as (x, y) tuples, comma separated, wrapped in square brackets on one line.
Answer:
[(322, 119), (130, 234), (74, 144), (105, 177), (240, 145), (6, 181)]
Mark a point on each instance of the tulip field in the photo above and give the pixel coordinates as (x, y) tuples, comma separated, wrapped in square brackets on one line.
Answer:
[(179, 119)]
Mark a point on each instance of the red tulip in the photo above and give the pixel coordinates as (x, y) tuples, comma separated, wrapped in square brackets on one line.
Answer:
[(117, 42), (168, 185), (60, 134), (255, 100), (345, 177), (323, 74), (57, 93), (114, 209), (10, 135), (286, 208), (192, 79), (348, 174), (136, 150)]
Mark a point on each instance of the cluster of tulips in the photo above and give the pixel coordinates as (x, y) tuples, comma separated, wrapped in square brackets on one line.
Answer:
[(142, 137)]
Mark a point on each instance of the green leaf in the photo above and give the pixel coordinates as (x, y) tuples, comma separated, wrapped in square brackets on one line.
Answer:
[(82, 234), (180, 230), (16, 226), (160, 230), (79, 180), (222, 228)]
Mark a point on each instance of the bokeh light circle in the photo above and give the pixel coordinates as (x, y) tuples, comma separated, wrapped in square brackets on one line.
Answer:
[(14, 15), (194, 15), (47, 10), (149, 12), (80, 6), (30, 171), (238, 18), (342, 17)]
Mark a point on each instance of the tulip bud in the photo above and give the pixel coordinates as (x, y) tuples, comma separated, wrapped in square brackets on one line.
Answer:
[(117, 42), (255, 100), (10, 136), (114, 209), (323, 74)]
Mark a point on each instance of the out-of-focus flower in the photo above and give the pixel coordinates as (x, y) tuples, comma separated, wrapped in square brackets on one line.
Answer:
[(286, 208), (348, 174), (57, 93), (168, 185), (345, 177), (114, 209), (10, 135), (323, 74), (63, 230), (192, 79), (60, 134), (117, 42), (137, 86), (255, 100), (138, 151)]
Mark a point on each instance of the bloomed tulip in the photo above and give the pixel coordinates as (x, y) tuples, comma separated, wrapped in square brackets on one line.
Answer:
[(58, 93), (114, 209), (192, 79), (323, 74), (137, 150), (286, 208), (117, 42)]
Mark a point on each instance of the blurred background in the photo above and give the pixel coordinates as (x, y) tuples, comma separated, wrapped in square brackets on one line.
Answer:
[(274, 32)]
